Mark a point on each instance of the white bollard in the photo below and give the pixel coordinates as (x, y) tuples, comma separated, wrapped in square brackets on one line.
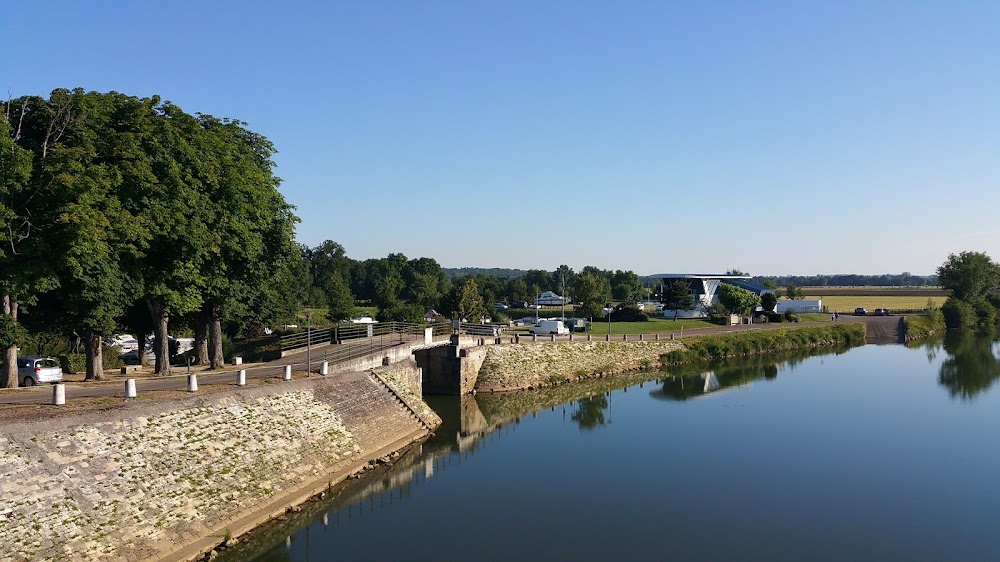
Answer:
[(58, 394), (324, 368), (287, 375), (192, 383), (657, 337), (130, 388), (241, 377)]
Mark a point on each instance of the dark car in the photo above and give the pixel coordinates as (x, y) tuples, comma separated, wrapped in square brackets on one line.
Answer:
[(860, 311), (881, 312)]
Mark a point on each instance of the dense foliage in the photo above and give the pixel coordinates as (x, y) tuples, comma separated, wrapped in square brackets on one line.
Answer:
[(119, 211), (974, 281)]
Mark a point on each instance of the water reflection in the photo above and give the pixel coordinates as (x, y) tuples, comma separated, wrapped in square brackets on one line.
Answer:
[(972, 365), (589, 412), (691, 381)]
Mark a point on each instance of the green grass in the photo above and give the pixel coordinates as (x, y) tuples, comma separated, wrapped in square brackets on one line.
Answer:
[(653, 326)]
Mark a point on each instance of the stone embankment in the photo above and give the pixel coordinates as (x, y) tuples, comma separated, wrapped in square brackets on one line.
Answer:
[(168, 478), (536, 365)]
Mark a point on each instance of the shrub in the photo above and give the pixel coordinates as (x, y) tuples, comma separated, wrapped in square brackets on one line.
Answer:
[(790, 317), (77, 362), (722, 320), (958, 314), (73, 362), (985, 312)]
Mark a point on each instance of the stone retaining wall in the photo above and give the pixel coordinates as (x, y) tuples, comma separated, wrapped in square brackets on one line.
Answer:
[(535, 365), (154, 477)]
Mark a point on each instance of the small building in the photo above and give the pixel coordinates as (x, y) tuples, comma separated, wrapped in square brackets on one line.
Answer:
[(799, 305)]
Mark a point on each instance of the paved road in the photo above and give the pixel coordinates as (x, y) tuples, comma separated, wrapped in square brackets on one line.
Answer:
[(881, 329), (177, 380)]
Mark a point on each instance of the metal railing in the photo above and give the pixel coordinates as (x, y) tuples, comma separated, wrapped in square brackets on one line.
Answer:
[(305, 338), (396, 332)]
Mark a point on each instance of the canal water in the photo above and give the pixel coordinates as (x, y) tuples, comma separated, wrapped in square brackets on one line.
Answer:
[(876, 452)]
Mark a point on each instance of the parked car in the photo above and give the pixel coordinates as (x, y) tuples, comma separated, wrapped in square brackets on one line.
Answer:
[(500, 306), (36, 370), (880, 312), (860, 311)]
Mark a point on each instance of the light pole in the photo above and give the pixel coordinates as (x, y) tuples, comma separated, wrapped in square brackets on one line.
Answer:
[(609, 320), (308, 343)]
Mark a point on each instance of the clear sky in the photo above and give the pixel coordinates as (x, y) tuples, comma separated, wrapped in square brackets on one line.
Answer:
[(664, 136)]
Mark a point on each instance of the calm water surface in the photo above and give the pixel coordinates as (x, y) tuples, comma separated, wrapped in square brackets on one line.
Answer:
[(879, 452)]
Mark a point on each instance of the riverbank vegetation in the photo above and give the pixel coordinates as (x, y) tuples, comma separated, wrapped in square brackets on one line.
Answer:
[(974, 281), (762, 342)]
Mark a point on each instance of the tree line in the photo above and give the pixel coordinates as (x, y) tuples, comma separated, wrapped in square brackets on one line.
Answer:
[(121, 211), (404, 289)]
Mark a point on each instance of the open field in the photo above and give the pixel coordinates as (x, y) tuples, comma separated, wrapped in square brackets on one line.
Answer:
[(876, 292), (847, 303)]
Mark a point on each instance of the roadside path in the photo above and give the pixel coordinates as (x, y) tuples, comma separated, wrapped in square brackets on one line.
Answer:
[(880, 328)]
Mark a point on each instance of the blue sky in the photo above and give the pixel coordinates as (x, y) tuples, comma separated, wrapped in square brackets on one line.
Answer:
[(776, 137)]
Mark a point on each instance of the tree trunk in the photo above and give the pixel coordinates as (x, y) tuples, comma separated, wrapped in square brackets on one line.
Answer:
[(201, 321), (95, 359), (10, 377), (141, 339), (161, 343), (218, 359)]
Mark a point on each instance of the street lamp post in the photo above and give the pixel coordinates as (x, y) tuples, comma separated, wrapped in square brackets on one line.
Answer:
[(308, 343)]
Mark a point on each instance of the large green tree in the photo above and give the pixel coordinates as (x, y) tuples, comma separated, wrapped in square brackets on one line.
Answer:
[(969, 275), (677, 296), (736, 299), (251, 237), (466, 302), (626, 286), (591, 292), (31, 130)]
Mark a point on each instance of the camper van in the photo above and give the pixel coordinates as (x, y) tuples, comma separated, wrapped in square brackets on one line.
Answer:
[(557, 327)]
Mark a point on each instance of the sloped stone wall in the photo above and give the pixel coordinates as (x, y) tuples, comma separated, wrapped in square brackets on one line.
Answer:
[(156, 476)]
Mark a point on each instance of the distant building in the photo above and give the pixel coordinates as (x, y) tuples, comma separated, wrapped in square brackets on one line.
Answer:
[(703, 289), (548, 298)]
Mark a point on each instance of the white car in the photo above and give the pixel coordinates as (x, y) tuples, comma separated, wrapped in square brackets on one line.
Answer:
[(36, 370)]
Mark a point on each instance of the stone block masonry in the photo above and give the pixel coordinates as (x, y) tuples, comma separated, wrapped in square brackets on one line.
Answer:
[(150, 479), (535, 365)]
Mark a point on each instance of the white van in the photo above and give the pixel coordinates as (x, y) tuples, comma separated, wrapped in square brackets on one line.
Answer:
[(557, 327)]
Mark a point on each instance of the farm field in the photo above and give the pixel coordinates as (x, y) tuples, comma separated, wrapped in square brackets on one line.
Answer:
[(925, 292), (847, 303)]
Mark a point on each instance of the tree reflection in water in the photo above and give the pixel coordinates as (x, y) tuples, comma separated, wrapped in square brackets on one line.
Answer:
[(689, 381), (589, 412), (972, 365)]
